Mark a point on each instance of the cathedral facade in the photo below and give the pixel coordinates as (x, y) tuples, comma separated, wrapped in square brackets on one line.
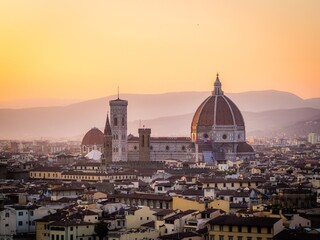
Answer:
[(217, 133)]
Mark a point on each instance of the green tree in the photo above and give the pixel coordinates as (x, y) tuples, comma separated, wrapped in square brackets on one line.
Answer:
[(101, 229)]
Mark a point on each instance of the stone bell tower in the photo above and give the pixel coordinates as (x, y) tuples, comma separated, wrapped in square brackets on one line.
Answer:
[(118, 119)]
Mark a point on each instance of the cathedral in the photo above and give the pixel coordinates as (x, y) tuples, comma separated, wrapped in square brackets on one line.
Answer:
[(217, 134), (218, 129)]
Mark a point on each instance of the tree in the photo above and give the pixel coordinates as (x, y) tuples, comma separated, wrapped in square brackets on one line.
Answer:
[(101, 229)]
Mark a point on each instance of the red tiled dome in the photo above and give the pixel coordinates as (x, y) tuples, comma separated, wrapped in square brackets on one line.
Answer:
[(217, 110), (93, 137)]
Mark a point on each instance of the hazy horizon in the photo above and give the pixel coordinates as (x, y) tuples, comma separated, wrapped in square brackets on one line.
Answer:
[(52, 102)]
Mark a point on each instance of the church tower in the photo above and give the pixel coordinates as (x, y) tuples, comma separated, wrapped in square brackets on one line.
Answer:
[(144, 144), (107, 143), (118, 118)]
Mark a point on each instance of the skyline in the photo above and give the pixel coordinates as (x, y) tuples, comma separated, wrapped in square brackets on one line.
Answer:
[(81, 50)]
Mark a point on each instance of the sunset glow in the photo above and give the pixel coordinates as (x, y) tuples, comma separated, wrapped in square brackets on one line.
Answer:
[(86, 49)]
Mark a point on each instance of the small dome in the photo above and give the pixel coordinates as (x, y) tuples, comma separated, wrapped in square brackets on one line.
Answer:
[(244, 148), (93, 137)]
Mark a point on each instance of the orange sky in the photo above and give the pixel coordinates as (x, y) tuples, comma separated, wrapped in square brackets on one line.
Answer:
[(85, 49)]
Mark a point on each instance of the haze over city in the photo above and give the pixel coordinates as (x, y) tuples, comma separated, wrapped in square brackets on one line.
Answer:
[(77, 50)]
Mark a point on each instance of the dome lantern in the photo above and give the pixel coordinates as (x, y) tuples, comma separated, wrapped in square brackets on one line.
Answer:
[(217, 87)]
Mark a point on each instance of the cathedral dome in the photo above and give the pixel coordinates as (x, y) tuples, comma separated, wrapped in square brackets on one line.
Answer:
[(93, 137), (217, 110)]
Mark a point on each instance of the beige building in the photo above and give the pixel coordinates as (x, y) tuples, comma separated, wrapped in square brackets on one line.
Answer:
[(46, 173), (158, 201), (183, 204), (244, 228), (137, 217), (231, 184), (71, 230)]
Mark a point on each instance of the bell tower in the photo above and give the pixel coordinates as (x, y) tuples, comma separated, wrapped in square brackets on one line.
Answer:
[(118, 119), (144, 144)]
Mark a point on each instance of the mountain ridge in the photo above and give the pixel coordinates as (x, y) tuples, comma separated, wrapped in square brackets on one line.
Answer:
[(77, 118)]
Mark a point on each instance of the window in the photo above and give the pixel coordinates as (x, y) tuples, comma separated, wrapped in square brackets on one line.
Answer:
[(58, 237), (122, 121), (249, 229), (230, 237), (7, 215), (52, 237), (221, 237), (20, 223), (167, 148), (62, 237), (71, 237), (249, 238), (142, 141), (115, 121), (20, 213), (31, 213), (259, 238), (230, 228), (259, 230), (239, 229), (211, 237), (221, 228), (239, 237), (269, 230)]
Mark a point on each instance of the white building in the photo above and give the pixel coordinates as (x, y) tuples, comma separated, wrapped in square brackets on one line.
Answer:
[(7, 223), (25, 216), (313, 138)]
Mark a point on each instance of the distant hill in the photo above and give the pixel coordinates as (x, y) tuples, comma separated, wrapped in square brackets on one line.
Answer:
[(171, 114), (287, 121)]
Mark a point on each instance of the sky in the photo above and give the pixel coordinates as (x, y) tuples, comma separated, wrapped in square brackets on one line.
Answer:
[(86, 49)]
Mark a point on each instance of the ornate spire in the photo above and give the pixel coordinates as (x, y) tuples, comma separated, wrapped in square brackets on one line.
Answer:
[(107, 128), (217, 87)]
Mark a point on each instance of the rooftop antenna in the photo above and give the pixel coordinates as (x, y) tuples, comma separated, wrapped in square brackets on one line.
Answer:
[(118, 92)]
